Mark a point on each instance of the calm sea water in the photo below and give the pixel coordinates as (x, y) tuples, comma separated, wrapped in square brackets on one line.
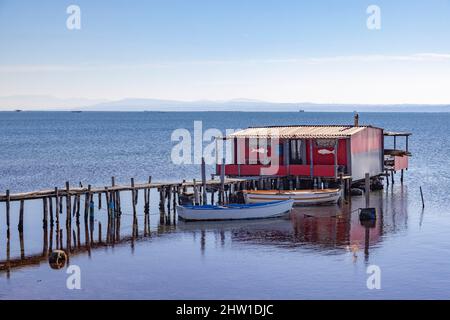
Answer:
[(315, 253)]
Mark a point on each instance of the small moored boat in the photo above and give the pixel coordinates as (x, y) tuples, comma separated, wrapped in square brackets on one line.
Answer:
[(300, 197), (235, 211)]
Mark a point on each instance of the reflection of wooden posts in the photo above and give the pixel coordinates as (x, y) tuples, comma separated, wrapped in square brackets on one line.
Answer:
[(366, 242), (99, 232), (367, 189), (45, 242), (74, 236), (22, 245), (20, 228)]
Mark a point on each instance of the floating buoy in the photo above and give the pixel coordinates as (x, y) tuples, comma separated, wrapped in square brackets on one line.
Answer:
[(57, 259)]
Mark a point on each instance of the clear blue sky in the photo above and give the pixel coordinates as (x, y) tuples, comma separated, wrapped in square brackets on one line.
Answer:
[(288, 50)]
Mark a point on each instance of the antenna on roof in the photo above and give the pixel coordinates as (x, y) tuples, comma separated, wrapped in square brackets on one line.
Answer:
[(356, 119)]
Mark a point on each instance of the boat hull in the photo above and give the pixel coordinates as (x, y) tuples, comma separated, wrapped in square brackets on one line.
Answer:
[(300, 197), (235, 212)]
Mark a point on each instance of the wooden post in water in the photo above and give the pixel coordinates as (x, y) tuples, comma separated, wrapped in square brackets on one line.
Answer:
[(50, 205), (77, 197), (387, 178), (99, 201), (222, 181), (421, 196), (68, 211), (113, 193), (367, 189), (133, 199), (20, 226), (60, 204), (184, 186), (45, 213), (57, 206), (8, 209), (195, 192), (204, 180), (87, 198)]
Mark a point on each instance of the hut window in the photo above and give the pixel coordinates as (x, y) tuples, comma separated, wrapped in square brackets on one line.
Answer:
[(296, 151), (325, 143)]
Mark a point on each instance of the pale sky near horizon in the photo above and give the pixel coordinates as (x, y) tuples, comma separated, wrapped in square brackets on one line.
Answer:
[(285, 51)]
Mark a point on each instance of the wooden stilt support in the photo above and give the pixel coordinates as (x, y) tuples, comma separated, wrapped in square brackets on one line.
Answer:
[(367, 189), (8, 209), (45, 213), (20, 226), (50, 207), (68, 211)]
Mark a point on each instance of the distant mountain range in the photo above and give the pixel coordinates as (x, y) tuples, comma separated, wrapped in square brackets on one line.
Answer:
[(247, 105)]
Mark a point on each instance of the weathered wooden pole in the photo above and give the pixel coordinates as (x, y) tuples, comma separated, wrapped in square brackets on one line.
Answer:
[(421, 196), (87, 198), (99, 232), (45, 213), (367, 189), (60, 204), (8, 208), (204, 180), (108, 206), (68, 211), (149, 192), (133, 198), (20, 226), (222, 181), (50, 203), (195, 193), (99, 201), (113, 193)]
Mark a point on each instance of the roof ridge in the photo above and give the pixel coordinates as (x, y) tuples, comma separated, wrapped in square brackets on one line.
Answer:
[(312, 125)]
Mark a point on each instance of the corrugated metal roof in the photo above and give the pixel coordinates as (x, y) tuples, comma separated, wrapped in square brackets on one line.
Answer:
[(397, 134), (299, 132)]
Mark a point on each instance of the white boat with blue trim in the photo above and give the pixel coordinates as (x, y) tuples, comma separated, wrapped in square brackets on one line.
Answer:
[(235, 211)]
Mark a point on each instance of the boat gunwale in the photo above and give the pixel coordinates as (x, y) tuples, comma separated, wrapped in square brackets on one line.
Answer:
[(292, 192)]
